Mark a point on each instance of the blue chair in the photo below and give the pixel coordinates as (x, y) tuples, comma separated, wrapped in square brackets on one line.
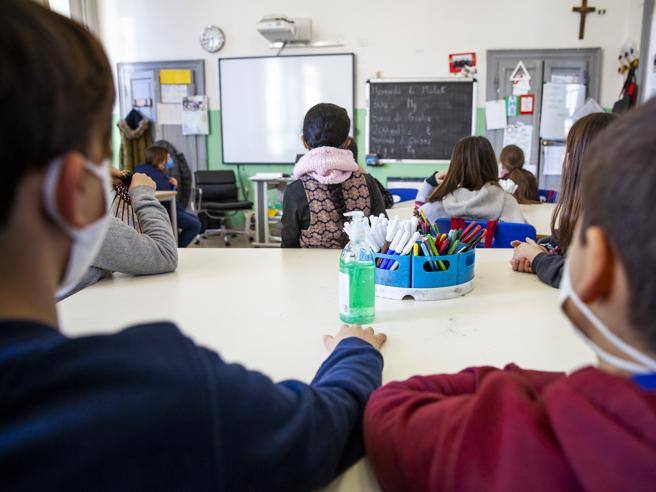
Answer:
[(549, 196), (505, 233), (403, 194)]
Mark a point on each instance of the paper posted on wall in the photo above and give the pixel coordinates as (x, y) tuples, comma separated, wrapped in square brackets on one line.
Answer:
[(173, 93), (194, 115), (169, 114), (554, 156), (495, 114), (520, 135)]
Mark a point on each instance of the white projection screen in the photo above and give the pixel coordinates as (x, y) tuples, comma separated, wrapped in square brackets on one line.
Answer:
[(264, 101)]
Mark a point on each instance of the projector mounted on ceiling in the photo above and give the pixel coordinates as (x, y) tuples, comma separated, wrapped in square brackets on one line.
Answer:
[(283, 31)]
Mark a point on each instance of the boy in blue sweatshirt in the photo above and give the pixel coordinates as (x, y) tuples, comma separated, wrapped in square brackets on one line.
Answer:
[(144, 409)]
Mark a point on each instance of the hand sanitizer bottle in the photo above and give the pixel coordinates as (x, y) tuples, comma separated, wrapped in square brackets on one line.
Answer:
[(357, 288)]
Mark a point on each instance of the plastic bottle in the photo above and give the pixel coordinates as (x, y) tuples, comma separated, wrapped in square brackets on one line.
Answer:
[(357, 287)]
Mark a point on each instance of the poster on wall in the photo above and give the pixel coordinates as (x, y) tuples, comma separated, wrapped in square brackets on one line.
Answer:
[(194, 116), (521, 135), (458, 61)]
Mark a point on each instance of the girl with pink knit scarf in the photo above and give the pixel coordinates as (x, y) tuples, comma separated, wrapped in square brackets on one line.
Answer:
[(328, 183)]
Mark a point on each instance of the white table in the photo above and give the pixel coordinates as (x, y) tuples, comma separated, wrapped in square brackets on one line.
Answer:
[(268, 309), (262, 184), (539, 216), (170, 196)]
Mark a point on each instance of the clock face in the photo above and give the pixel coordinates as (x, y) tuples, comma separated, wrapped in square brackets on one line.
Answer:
[(212, 39)]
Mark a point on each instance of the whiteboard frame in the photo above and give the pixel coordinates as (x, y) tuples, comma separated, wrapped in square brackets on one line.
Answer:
[(353, 126), (474, 83)]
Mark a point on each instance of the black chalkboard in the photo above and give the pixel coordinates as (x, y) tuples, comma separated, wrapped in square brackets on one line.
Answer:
[(417, 120)]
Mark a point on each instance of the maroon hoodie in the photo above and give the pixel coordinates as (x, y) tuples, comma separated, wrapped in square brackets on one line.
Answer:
[(486, 429)]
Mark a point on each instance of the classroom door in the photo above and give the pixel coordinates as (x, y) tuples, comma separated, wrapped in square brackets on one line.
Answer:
[(504, 88), (571, 65), (142, 79)]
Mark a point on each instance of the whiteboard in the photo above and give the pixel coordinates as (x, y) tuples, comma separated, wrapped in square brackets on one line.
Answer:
[(559, 103), (264, 101)]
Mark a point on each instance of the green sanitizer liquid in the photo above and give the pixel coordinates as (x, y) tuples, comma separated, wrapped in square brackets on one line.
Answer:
[(357, 288)]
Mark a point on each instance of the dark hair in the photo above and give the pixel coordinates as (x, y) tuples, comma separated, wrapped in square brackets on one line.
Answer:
[(512, 157), (353, 147), (56, 90), (473, 165), (617, 194), (326, 125), (567, 209), (155, 155)]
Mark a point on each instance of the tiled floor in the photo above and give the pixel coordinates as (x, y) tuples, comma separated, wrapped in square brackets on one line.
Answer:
[(218, 242)]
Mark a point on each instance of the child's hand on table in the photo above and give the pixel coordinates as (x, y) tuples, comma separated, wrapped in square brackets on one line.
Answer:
[(139, 179), (356, 331), (524, 254)]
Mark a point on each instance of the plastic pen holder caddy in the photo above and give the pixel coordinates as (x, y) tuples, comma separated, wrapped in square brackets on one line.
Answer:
[(414, 272)]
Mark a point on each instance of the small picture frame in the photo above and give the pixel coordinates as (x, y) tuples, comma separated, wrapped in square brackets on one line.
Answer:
[(457, 61), (512, 106), (526, 104)]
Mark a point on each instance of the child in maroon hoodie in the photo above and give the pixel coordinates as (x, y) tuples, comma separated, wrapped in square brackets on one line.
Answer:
[(486, 429)]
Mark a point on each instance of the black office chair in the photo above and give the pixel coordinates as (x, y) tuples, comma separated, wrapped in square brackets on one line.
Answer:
[(217, 198)]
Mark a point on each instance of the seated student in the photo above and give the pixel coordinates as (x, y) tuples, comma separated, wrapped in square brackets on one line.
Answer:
[(513, 429), (149, 251), (548, 258), (388, 199), (329, 183), (145, 408), (157, 159), (470, 188), (512, 168)]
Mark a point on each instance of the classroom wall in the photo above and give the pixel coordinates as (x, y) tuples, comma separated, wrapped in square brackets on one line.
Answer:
[(401, 39)]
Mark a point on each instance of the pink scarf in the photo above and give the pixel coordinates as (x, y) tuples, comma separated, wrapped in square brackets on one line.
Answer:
[(328, 165)]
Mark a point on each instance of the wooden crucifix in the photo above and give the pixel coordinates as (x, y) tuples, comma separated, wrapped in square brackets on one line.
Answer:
[(583, 10)]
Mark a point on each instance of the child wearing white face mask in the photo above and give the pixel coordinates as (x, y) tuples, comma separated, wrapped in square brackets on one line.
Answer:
[(144, 408), (513, 429)]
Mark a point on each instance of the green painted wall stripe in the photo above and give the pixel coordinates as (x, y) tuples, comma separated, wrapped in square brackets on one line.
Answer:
[(382, 173)]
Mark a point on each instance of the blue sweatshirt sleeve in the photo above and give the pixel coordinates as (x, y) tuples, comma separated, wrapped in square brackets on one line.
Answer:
[(290, 435)]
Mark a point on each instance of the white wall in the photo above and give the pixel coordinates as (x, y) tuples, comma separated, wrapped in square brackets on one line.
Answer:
[(410, 38)]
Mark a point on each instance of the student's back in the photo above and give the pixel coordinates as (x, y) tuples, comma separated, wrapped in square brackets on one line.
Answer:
[(470, 189), (511, 429), (329, 183), (512, 168), (145, 408)]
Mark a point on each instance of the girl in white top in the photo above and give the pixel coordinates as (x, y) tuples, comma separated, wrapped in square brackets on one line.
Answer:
[(470, 188)]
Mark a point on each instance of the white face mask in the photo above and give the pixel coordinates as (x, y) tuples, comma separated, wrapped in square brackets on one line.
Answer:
[(642, 364), (85, 242)]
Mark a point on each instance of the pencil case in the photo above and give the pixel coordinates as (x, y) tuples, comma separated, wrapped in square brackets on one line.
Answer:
[(425, 275), (466, 266), (394, 278)]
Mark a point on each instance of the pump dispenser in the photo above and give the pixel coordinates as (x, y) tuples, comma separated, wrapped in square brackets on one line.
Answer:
[(357, 288)]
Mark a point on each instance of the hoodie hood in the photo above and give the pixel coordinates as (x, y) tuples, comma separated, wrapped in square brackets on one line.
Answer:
[(486, 203), (328, 165)]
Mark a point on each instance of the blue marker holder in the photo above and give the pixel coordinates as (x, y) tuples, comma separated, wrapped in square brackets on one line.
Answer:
[(466, 266), (417, 273), (394, 278), (423, 277)]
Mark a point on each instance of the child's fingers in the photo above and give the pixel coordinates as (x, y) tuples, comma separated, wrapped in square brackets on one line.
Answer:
[(530, 241)]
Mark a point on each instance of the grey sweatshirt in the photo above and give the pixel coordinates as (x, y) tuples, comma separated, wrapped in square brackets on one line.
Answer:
[(488, 203), (125, 250)]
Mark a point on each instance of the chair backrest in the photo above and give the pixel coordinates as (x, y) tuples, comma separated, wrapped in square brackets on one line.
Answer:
[(403, 194), (180, 172), (504, 234), (550, 196), (217, 186)]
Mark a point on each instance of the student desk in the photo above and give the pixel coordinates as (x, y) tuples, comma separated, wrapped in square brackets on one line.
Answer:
[(262, 185), (537, 215), (268, 309), (170, 196)]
